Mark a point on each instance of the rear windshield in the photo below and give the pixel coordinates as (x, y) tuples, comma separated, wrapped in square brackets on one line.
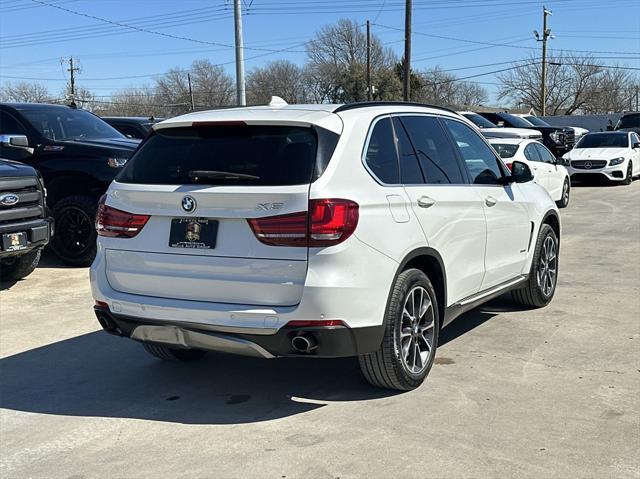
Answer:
[(505, 150), (258, 155), (604, 140)]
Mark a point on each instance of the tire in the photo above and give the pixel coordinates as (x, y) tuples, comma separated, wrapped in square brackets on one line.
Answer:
[(629, 178), (566, 192), (171, 354), (21, 266), (75, 238), (390, 367), (534, 294)]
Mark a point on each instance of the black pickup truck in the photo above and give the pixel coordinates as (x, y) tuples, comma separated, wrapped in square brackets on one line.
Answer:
[(25, 227), (559, 139), (78, 155)]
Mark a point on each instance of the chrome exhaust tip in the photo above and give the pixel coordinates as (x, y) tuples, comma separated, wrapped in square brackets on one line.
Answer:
[(303, 343)]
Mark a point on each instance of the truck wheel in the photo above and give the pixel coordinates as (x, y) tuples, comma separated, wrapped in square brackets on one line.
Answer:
[(543, 275), (412, 324), (20, 266), (75, 238), (173, 354)]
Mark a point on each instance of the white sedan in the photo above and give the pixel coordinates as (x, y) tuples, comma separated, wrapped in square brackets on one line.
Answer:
[(544, 166), (614, 155)]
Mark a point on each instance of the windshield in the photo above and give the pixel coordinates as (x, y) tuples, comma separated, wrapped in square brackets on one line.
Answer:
[(534, 120), (479, 121), (69, 124), (230, 155), (629, 121), (515, 121), (604, 140), (505, 150)]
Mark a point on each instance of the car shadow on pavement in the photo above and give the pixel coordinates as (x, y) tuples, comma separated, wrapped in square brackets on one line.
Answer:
[(105, 376), (100, 375)]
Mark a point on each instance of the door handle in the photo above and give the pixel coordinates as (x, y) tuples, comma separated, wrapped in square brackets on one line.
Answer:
[(426, 202), (490, 201)]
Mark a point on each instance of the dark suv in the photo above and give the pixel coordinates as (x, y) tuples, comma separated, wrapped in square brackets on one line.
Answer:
[(132, 126), (78, 155), (25, 227), (630, 121), (558, 139)]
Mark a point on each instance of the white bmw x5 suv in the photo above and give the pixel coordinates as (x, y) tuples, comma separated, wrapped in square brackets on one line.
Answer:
[(317, 230)]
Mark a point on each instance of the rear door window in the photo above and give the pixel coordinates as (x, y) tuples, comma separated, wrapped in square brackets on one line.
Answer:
[(435, 152), (231, 155), (531, 153), (410, 172)]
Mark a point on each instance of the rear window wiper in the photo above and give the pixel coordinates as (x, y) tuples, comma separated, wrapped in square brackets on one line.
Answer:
[(197, 175)]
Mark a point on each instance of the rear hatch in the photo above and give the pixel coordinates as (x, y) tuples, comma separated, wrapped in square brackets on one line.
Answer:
[(197, 191)]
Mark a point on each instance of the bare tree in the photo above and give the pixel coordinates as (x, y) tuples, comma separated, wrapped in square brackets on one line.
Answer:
[(615, 92), (281, 78), (130, 102), (570, 79), (211, 87), (336, 60), (469, 94), (25, 92)]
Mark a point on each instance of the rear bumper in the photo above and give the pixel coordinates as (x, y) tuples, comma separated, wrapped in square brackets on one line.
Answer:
[(329, 342), (38, 234)]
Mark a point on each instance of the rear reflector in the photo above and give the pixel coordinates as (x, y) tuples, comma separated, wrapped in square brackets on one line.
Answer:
[(101, 304), (318, 323), (116, 223), (328, 222)]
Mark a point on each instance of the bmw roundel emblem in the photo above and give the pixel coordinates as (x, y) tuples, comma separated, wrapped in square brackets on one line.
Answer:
[(189, 204)]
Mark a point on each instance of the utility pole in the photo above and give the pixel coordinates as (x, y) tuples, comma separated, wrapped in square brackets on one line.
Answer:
[(72, 82), (193, 106), (406, 90), (369, 61), (546, 33), (237, 14)]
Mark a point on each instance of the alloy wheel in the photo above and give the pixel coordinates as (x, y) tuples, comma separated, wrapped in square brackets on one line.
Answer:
[(565, 192), (74, 229), (417, 330), (547, 267)]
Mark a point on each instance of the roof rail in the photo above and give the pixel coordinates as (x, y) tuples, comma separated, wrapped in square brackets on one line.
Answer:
[(366, 104)]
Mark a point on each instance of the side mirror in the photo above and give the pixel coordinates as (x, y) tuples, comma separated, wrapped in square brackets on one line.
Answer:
[(14, 141), (520, 172), (636, 145)]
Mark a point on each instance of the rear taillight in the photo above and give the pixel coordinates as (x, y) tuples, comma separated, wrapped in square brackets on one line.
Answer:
[(509, 165), (328, 222), (116, 223)]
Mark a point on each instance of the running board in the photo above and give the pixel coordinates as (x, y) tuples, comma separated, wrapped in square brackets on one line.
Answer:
[(481, 297)]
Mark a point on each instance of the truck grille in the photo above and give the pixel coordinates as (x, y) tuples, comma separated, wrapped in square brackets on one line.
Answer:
[(30, 202), (569, 138), (588, 164)]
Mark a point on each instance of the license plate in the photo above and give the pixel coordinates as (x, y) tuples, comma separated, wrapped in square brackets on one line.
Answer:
[(195, 233), (14, 241)]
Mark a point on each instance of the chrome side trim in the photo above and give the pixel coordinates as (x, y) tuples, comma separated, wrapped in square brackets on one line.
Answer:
[(491, 291), (185, 338)]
